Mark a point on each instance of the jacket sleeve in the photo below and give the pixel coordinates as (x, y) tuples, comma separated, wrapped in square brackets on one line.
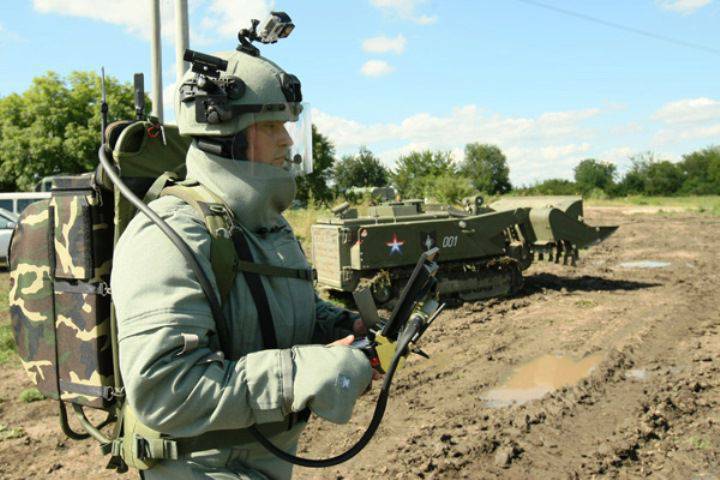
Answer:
[(175, 381), (332, 322)]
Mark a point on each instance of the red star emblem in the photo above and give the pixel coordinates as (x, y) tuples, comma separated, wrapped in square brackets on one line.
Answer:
[(395, 245)]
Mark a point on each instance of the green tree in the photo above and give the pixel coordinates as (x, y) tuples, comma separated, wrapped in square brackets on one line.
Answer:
[(54, 126), (649, 176), (633, 183), (449, 189), (702, 172), (361, 170), (417, 172), (314, 186), (486, 167), (591, 174), (663, 178)]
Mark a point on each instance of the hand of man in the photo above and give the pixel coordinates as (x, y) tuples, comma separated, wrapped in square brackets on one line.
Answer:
[(347, 341)]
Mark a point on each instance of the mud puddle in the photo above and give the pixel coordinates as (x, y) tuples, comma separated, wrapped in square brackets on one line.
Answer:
[(645, 264), (540, 377)]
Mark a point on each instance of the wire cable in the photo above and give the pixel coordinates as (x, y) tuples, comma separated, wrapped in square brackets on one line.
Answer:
[(619, 26), (401, 346)]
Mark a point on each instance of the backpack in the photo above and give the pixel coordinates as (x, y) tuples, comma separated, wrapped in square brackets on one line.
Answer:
[(61, 311), (60, 260)]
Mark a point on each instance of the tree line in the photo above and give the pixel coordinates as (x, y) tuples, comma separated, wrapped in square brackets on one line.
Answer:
[(484, 169), (54, 127), (698, 173), (416, 174)]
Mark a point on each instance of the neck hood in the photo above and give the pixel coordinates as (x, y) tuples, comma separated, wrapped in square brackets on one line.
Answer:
[(256, 193)]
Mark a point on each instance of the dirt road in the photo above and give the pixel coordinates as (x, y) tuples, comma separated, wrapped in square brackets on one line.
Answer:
[(648, 339)]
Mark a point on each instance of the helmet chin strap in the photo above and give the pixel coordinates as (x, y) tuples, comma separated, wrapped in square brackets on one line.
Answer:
[(233, 147)]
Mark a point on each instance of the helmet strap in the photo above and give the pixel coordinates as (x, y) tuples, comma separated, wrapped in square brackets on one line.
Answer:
[(233, 147)]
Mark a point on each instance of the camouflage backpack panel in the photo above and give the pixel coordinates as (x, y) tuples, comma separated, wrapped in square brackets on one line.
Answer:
[(31, 297), (82, 244), (77, 240)]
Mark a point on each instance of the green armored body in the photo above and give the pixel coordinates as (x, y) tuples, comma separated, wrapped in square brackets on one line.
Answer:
[(483, 250)]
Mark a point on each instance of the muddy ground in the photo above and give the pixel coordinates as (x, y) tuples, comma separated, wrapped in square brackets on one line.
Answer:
[(650, 408)]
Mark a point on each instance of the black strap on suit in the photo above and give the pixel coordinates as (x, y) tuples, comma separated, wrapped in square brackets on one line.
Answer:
[(262, 305)]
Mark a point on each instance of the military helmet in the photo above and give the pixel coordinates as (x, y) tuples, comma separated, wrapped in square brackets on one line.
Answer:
[(250, 89)]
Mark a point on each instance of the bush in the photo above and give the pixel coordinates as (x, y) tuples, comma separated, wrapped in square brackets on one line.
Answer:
[(597, 194), (552, 186), (448, 189), (649, 176)]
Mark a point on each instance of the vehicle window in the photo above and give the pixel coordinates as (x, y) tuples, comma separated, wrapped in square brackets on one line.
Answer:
[(4, 222), (6, 204), (24, 202)]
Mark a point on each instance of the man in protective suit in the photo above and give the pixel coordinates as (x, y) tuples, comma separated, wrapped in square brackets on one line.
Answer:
[(178, 381)]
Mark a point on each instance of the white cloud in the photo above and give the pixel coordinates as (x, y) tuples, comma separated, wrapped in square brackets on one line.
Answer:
[(133, 15), (555, 152), (688, 119), (689, 110), (683, 6), (544, 146), (168, 97), (376, 68), (222, 18), (684, 133), (465, 124), (405, 9), (229, 16), (383, 44)]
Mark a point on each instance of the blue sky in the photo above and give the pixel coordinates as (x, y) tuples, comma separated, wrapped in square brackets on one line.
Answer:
[(539, 78)]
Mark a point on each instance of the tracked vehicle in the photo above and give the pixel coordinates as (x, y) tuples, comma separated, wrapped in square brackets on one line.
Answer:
[(483, 249)]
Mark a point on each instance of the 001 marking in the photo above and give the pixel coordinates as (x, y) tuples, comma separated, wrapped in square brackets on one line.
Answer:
[(450, 241)]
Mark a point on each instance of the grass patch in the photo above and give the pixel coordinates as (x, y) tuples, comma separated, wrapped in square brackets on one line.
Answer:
[(31, 395), (301, 220), (7, 433), (7, 342), (709, 204), (699, 443), (586, 303)]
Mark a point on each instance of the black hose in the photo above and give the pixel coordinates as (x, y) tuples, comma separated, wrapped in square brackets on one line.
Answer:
[(377, 417), (205, 284)]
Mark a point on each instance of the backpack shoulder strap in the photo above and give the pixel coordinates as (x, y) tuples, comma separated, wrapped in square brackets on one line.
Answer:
[(160, 183), (218, 222)]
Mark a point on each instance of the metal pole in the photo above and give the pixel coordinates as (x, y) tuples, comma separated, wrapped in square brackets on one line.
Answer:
[(156, 60), (182, 37)]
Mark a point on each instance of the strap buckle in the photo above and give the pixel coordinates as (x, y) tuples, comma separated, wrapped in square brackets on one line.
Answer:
[(154, 448), (103, 289)]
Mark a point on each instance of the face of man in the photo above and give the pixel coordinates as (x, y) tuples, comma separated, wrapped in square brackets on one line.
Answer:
[(268, 142)]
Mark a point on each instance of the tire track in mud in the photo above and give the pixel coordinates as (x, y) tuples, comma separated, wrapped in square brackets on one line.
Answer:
[(605, 425)]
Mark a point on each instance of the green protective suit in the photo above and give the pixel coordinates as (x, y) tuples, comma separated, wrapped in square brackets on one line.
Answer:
[(177, 381)]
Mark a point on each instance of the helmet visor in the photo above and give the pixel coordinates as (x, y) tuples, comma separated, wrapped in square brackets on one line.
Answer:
[(281, 138)]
